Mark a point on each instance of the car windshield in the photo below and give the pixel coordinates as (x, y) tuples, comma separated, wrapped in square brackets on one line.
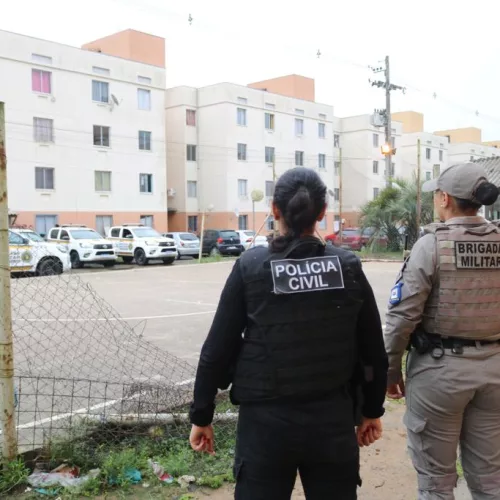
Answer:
[(188, 237), (31, 235), (146, 232), (249, 233), (229, 234), (85, 234)]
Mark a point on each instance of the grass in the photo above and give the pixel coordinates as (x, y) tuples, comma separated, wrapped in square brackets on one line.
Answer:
[(12, 475), (380, 254)]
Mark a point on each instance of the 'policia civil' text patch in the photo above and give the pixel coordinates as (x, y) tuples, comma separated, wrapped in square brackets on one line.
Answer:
[(307, 275), (477, 255)]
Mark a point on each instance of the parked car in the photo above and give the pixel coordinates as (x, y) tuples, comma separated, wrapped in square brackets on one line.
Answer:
[(187, 244), (247, 236), (85, 245), (142, 244), (353, 238), (221, 242), (30, 253)]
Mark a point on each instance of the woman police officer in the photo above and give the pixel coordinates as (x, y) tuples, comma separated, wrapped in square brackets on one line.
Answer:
[(447, 297), (292, 325)]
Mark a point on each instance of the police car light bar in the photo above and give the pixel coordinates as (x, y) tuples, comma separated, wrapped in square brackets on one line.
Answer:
[(73, 225)]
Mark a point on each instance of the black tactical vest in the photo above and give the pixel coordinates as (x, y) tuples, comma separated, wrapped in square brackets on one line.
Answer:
[(297, 344)]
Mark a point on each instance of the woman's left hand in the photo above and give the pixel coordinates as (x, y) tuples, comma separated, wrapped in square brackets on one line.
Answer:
[(202, 439)]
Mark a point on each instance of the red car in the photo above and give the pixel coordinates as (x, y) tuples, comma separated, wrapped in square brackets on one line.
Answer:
[(354, 238)]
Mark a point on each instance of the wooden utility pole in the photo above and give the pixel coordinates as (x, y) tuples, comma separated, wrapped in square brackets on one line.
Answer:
[(201, 236), (340, 195), (419, 195), (436, 171), (8, 425)]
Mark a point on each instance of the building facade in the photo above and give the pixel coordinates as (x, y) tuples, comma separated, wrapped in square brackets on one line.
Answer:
[(228, 141), (85, 131)]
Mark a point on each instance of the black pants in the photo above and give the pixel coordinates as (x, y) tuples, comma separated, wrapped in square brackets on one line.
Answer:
[(317, 439)]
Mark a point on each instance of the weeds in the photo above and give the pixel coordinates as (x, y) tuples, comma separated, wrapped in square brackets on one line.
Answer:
[(12, 475)]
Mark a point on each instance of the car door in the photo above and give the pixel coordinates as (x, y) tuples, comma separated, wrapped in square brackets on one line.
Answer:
[(20, 254), (126, 244)]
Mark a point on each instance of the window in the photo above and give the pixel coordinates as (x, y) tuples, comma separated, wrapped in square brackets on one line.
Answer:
[(100, 71), (375, 140), (322, 116), (147, 220), (269, 189), (191, 117), (243, 222), (375, 167), (15, 239), (242, 100), (43, 130), (146, 183), (44, 178), (299, 126), (270, 105), (144, 99), (103, 224), (336, 140), (242, 188), (375, 192), (193, 223), (299, 158), (44, 223), (393, 142), (100, 91), (41, 59), (269, 121), (269, 155), (191, 152), (321, 160), (241, 117), (54, 234), (270, 223), (392, 172), (41, 81), (242, 152), (144, 79), (336, 167), (322, 224), (321, 130), (192, 189), (440, 155), (144, 140), (336, 194), (102, 180), (299, 111), (427, 176), (427, 153), (471, 158), (101, 136)]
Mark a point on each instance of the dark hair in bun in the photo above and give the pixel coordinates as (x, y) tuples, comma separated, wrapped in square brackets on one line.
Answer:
[(486, 194)]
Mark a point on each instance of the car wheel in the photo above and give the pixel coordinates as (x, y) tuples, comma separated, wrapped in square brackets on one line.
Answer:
[(215, 252), (109, 264), (49, 267), (168, 262), (196, 257), (76, 263), (127, 260), (140, 257)]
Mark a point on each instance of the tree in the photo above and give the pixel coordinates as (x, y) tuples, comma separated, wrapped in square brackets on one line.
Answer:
[(394, 213)]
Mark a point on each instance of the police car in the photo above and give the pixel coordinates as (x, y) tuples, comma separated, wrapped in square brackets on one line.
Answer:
[(142, 244), (30, 253), (85, 245)]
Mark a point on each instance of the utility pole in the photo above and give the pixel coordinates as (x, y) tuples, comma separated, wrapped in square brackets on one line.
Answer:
[(419, 196), (340, 195), (276, 231), (8, 425), (387, 149), (436, 171)]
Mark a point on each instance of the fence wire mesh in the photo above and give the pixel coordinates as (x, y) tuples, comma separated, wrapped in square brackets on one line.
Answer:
[(83, 375)]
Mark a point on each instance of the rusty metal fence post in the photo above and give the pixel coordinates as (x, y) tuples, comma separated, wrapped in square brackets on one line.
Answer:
[(9, 444)]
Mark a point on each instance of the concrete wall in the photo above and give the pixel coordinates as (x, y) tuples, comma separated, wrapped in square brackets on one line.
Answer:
[(460, 135), (412, 121)]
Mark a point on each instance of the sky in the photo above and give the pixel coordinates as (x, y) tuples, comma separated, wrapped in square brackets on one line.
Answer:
[(446, 56)]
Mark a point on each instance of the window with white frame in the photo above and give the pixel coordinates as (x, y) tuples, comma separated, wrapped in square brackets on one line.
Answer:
[(270, 105), (144, 140), (269, 154), (242, 100), (336, 167), (242, 152), (375, 167), (440, 155), (269, 189), (299, 126), (100, 71), (144, 99), (243, 222), (147, 220), (392, 173), (336, 140), (190, 152), (269, 121), (41, 59), (241, 116), (427, 153), (102, 180), (192, 189), (44, 178), (242, 188), (427, 176), (41, 81), (393, 142), (43, 130), (321, 130), (322, 116), (101, 136), (375, 192), (299, 111), (146, 183), (321, 160), (191, 117), (144, 79), (299, 158), (375, 140), (336, 194), (100, 91)]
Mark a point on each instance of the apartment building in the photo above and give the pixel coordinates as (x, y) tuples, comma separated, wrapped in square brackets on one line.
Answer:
[(363, 165), (85, 130), (226, 141)]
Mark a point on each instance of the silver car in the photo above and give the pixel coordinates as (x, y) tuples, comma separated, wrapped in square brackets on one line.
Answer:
[(188, 244), (247, 236)]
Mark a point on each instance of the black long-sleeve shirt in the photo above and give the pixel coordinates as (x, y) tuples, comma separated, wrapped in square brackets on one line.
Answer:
[(221, 348)]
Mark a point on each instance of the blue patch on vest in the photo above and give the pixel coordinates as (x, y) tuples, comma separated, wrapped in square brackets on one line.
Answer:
[(396, 294)]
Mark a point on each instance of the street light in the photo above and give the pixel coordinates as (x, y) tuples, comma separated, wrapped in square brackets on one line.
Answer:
[(387, 150)]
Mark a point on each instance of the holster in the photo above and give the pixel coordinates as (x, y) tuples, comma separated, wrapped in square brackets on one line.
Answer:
[(424, 342)]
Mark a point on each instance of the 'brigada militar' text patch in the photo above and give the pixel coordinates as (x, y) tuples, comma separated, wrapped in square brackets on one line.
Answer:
[(477, 255), (307, 275)]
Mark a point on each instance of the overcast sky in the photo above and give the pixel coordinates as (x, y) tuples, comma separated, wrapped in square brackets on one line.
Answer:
[(435, 47)]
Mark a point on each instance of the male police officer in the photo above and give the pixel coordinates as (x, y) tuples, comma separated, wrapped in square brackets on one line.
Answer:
[(447, 297)]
